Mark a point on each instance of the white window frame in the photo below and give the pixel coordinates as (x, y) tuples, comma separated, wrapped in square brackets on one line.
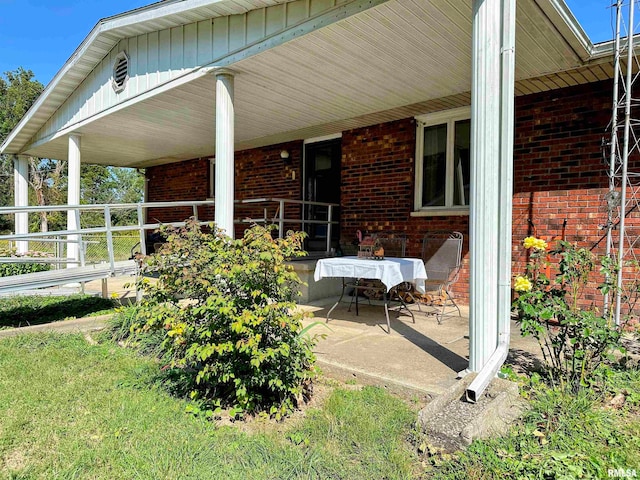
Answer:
[(448, 117)]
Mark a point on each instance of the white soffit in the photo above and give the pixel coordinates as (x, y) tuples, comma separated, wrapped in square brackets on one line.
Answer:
[(392, 61)]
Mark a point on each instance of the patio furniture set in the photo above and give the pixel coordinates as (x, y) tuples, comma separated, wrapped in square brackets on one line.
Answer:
[(401, 277)]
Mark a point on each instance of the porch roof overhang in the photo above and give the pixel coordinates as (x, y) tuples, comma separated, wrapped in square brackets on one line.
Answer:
[(392, 59)]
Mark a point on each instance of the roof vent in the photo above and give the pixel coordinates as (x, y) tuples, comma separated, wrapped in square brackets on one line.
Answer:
[(120, 72)]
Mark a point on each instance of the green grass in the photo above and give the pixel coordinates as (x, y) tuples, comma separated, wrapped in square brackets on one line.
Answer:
[(69, 409), (73, 410), (19, 311), (122, 247)]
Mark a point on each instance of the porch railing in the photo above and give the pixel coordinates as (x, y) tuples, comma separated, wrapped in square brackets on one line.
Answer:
[(281, 216), (272, 211)]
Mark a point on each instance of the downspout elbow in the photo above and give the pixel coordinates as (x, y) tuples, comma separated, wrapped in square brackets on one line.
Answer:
[(489, 370)]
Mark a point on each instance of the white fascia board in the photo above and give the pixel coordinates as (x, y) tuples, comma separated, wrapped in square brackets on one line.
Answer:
[(605, 51), (561, 16)]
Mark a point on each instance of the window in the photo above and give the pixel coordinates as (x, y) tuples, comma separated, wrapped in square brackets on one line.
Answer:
[(443, 156)]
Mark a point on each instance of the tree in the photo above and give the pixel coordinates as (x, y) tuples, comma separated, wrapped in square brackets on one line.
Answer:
[(47, 179), (18, 91)]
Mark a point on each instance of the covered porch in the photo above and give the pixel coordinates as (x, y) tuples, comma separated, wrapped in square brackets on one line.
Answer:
[(207, 82)]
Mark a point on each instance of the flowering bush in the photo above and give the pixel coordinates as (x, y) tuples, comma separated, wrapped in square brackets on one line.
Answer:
[(574, 341)]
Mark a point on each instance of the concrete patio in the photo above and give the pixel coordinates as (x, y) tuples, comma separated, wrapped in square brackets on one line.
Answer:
[(420, 359), (416, 360)]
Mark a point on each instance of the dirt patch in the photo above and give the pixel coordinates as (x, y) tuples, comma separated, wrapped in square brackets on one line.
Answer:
[(14, 461), (322, 389)]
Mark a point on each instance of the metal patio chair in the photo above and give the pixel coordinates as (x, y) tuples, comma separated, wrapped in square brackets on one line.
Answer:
[(442, 255), (395, 245)]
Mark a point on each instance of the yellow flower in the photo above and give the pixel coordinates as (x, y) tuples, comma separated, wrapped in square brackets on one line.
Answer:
[(522, 284), (535, 243)]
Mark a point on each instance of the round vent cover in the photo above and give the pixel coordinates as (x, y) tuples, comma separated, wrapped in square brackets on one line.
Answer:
[(120, 72)]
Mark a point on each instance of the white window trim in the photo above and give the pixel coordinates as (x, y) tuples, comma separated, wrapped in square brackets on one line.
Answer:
[(450, 117)]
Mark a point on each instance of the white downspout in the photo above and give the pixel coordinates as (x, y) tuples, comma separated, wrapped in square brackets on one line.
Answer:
[(507, 78)]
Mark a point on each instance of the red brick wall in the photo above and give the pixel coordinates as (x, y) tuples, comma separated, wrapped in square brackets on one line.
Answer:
[(558, 173), (260, 172), (174, 182), (560, 170)]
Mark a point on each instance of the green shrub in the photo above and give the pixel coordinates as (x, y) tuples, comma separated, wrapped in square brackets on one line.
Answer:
[(10, 269), (238, 332)]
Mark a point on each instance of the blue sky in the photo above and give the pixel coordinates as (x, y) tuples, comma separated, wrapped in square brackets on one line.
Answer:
[(41, 35)]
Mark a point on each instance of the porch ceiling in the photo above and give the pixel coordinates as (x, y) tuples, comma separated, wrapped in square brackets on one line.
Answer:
[(398, 59)]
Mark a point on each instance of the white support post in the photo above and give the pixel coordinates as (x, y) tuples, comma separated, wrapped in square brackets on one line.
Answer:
[(491, 181), (224, 188), (21, 199), (73, 198)]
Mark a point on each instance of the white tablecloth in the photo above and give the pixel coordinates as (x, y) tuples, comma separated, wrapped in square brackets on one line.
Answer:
[(390, 271)]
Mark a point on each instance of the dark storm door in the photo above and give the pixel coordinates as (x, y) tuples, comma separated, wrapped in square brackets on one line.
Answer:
[(322, 184)]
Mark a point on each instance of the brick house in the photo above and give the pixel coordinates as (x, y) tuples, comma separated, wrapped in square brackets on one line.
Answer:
[(369, 104)]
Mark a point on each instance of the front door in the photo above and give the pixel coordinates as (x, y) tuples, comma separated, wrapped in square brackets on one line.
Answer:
[(322, 184)]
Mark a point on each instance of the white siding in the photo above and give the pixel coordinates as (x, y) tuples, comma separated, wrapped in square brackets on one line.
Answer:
[(160, 56)]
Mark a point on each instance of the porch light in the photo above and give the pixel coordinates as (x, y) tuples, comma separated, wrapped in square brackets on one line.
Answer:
[(284, 155)]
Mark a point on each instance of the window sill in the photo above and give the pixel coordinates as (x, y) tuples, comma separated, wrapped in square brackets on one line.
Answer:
[(441, 212)]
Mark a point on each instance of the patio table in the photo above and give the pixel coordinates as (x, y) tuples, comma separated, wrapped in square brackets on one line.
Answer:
[(390, 271)]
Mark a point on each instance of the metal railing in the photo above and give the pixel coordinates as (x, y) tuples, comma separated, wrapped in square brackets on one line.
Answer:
[(279, 217), (104, 228)]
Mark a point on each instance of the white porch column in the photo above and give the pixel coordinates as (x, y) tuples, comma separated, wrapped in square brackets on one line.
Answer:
[(492, 97), (73, 198), (225, 164), (21, 199)]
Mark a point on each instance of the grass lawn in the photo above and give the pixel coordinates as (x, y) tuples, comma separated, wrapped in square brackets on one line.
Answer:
[(19, 311), (69, 409)]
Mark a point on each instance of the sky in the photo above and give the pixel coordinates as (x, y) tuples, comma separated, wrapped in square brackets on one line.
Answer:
[(41, 35)]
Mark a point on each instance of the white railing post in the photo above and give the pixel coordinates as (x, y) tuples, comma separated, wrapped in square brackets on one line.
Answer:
[(58, 250), (107, 224), (80, 246), (143, 239), (281, 220), (329, 230)]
